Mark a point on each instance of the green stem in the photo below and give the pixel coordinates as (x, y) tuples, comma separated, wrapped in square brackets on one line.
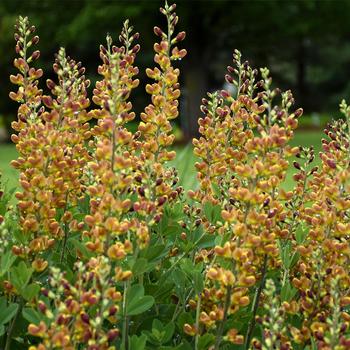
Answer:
[(10, 329), (125, 344), (251, 326), (65, 231), (223, 321), (198, 309)]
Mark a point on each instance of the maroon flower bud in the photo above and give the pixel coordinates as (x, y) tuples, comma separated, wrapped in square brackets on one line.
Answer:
[(158, 31), (45, 292), (229, 79), (297, 165), (343, 328), (112, 334), (260, 85), (205, 101), (179, 189), (318, 335), (141, 191), (61, 320), (204, 109), (271, 213), (42, 307), (50, 84), (331, 163), (161, 200), (298, 112), (266, 202), (157, 218), (85, 317), (136, 48), (112, 310), (230, 69), (225, 94), (181, 36)]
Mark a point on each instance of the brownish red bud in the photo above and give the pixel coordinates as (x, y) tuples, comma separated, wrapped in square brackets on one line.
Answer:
[(225, 94), (331, 163), (35, 40), (112, 334), (50, 84), (229, 79), (136, 48), (298, 113), (181, 36), (85, 317), (297, 165), (158, 32), (161, 200)]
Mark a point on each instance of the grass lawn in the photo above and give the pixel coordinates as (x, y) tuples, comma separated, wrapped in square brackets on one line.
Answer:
[(9, 175), (184, 161)]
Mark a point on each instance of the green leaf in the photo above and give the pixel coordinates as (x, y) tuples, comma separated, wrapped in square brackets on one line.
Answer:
[(161, 291), (2, 330), (294, 259), (136, 307), (137, 343), (212, 212), (157, 325), (31, 291), (154, 253), (313, 344), (137, 303), (216, 189), (168, 332), (300, 235), (31, 315), (141, 266), (3, 302), (207, 241), (205, 341), (8, 313), (179, 277), (287, 292), (7, 261), (20, 275), (185, 345), (136, 291), (198, 281), (84, 204), (184, 317)]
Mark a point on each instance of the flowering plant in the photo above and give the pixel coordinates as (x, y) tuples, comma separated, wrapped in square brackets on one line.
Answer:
[(105, 250)]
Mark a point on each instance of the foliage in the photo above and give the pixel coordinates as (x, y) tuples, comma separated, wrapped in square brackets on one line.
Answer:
[(104, 250)]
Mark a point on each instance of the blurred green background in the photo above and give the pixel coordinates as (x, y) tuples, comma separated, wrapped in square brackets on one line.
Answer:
[(305, 44)]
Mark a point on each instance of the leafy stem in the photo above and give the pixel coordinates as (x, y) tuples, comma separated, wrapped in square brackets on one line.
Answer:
[(255, 306), (224, 319), (11, 327)]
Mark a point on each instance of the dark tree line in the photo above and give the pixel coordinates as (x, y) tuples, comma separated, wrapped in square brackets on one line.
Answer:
[(305, 43)]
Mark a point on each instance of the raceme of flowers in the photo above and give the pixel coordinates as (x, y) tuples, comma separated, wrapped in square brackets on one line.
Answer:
[(103, 248)]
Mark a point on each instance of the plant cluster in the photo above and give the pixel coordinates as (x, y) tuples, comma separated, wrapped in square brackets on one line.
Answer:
[(104, 249)]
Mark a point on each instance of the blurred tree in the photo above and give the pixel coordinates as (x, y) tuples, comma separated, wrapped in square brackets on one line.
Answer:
[(305, 43)]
